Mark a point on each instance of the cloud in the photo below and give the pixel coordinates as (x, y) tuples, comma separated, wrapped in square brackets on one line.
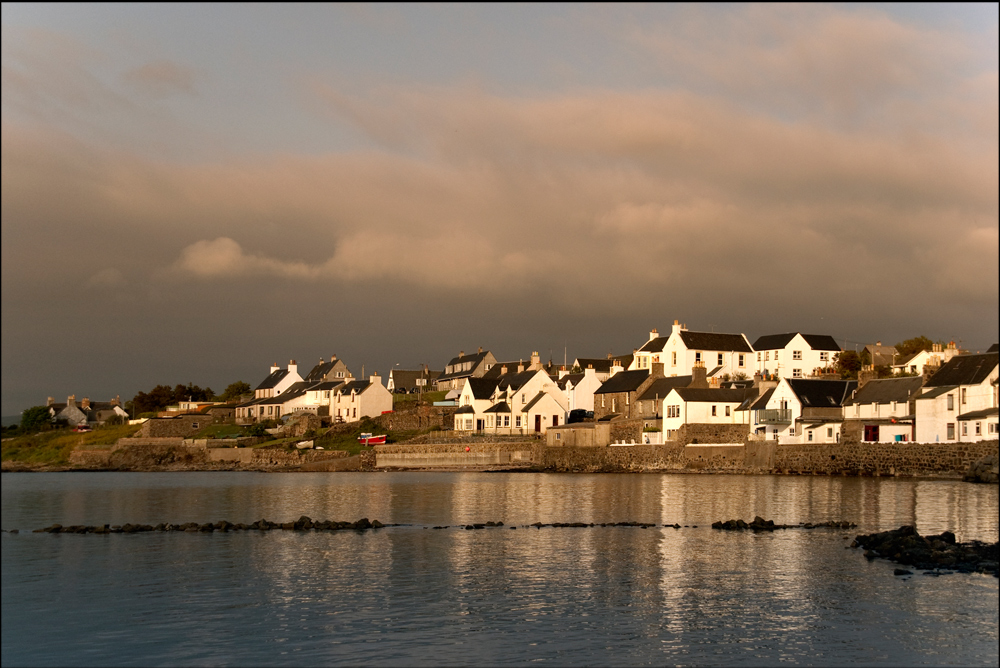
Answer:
[(161, 79)]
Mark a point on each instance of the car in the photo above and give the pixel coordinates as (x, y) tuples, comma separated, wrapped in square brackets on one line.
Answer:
[(579, 415), (415, 390)]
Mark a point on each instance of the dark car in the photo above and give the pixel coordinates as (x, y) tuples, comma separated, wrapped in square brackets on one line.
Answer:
[(579, 415)]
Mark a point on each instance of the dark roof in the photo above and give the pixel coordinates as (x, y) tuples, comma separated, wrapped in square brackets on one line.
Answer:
[(604, 364), (882, 355), (623, 381), (273, 379), (321, 370), (661, 387), (501, 407), (821, 393), (713, 341), (465, 409), (408, 378), (358, 386), (475, 358), (514, 381), (328, 385), (931, 392), (994, 348), (900, 361), (482, 388), (574, 378), (886, 390), (538, 397), (655, 345), (732, 384), (965, 370), (751, 398), (982, 413), (710, 394), (761, 403), (779, 341)]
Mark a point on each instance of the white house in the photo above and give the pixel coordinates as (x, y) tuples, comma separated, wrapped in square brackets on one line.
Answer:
[(720, 353), (360, 398), (461, 368), (278, 380), (934, 358), (801, 410), (959, 402), (879, 410), (516, 402), (694, 405), (579, 389), (794, 355)]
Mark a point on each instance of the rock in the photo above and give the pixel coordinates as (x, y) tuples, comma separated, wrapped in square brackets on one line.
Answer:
[(902, 571)]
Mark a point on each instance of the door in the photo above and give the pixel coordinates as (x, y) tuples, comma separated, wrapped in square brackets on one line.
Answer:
[(479, 425), (538, 423)]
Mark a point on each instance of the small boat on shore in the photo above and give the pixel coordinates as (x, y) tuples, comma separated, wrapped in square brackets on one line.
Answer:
[(368, 439)]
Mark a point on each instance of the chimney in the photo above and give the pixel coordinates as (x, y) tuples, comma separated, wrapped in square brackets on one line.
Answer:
[(653, 334), (274, 367), (50, 401), (480, 349), (878, 344), (656, 370), (520, 366), (936, 348), (461, 353), (320, 360), (536, 361), (85, 403), (503, 370), (676, 328), (616, 368), (333, 358), (589, 371), (609, 355), (117, 401), (699, 375), (951, 345), (292, 367), (71, 400), (374, 379), (866, 374), (713, 382)]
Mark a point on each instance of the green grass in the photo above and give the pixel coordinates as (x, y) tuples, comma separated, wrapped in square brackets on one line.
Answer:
[(221, 431), (53, 447), (348, 441), (427, 397)]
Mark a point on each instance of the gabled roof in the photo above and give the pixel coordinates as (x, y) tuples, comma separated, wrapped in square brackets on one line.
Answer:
[(573, 378), (779, 341), (328, 385), (358, 386), (408, 378), (980, 414), (655, 345), (476, 359), (515, 381), (538, 397), (501, 407), (964, 370), (661, 387), (931, 392), (623, 381), (713, 341), (482, 388), (712, 394), (465, 409), (273, 379), (604, 364), (321, 370), (821, 393), (994, 348), (887, 390), (761, 403)]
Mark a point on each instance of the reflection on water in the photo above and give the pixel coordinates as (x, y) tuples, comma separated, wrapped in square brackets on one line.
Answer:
[(415, 595)]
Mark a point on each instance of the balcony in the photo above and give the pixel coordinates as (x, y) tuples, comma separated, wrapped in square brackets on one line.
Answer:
[(774, 416)]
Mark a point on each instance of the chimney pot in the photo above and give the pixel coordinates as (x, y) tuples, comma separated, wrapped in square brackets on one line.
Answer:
[(480, 349), (49, 401), (461, 353)]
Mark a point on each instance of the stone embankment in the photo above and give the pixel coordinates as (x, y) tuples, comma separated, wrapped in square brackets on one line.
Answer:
[(985, 470), (937, 555), (304, 523), (760, 524)]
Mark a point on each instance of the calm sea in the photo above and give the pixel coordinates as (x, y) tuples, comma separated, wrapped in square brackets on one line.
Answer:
[(415, 595)]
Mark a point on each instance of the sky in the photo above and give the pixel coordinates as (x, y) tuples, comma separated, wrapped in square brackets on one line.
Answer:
[(193, 192)]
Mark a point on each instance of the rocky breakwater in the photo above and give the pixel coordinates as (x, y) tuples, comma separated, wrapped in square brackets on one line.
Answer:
[(304, 523), (936, 555), (986, 469), (760, 524)]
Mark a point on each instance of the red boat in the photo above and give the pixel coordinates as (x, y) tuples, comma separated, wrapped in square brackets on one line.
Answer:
[(368, 439)]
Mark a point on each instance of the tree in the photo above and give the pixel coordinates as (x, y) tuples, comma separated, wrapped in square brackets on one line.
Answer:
[(234, 391), (847, 363), (162, 396), (35, 419), (914, 345)]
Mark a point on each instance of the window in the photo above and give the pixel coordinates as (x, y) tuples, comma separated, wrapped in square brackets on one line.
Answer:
[(194, 425), (602, 401), (796, 373), (810, 435), (673, 356), (824, 357), (720, 360), (355, 412), (776, 352), (558, 437), (713, 411), (758, 357), (951, 431), (517, 421), (857, 410), (979, 429), (741, 359), (468, 424), (951, 402), (697, 357), (791, 431), (522, 397), (965, 429), (727, 410), (506, 420), (892, 405), (963, 396), (992, 428), (673, 411), (767, 356), (829, 432)]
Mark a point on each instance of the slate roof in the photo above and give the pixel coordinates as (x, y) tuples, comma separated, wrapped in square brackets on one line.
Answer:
[(408, 378), (882, 355), (994, 348), (982, 413), (931, 392), (761, 403), (713, 341), (574, 378), (538, 397), (501, 407), (321, 370), (964, 370), (821, 393), (273, 379), (514, 381), (887, 390), (358, 386), (475, 358), (779, 341), (711, 394), (623, 381), (482, 388), (661, 387), (465, 409), (496, 370), (655, 345)]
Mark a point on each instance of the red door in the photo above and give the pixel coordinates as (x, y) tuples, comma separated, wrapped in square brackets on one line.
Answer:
[(538, 423)]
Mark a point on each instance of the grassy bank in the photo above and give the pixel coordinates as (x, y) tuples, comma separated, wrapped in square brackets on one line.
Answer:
[(52, 448)]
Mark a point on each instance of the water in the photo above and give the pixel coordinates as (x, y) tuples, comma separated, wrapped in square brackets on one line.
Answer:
[(419, 596)]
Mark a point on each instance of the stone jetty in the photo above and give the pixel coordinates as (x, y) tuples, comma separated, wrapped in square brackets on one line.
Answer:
[(935, 554), (760, 524), (302, 524)]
